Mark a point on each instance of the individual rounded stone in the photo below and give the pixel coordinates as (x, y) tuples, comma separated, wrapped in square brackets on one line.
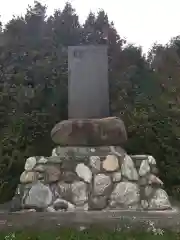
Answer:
[(15, 204), (39, 168), (93, 150), (152, 179), (128, 169), (116, 177), (79, 193), (30, 163), (144, 204), (84, 172), (143, 181), (52, 174), (54, 154), (102, 185), (28, 177), (160, 201), (69, 177), (126, 194), (90, 132), (65, 191), (151, 160), (39, 196), (50, 209), (60, 204), (98, 203), (42, 160), (95, 163), (144, 168), (110, 164), (148, 191), (154, 170)]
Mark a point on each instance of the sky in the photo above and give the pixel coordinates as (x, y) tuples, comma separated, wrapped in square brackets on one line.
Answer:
[(141, 22)]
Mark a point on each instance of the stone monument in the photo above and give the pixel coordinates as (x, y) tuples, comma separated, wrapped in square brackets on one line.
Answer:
[(89, 170), (88, 93)]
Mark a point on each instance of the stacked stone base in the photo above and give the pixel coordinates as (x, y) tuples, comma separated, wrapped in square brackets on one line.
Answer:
[(89, 179)]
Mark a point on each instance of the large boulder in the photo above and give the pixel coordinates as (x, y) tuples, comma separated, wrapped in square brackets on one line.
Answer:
[(90, 132)]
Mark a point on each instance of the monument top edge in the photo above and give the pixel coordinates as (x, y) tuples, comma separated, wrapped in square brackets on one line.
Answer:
[(88, 46)]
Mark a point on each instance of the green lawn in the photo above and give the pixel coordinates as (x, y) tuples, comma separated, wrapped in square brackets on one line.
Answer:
[(68, 234)]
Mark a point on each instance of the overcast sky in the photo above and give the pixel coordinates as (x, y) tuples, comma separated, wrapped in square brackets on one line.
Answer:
[(142, 22)]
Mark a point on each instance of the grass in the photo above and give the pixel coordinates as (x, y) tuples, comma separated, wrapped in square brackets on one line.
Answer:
[(92, 234)]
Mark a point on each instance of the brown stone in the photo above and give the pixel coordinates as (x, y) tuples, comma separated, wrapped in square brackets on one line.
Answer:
[(90, 132), (111, 163), (152, 179)]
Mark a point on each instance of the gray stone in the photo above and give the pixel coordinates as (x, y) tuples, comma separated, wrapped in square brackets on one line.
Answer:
[(39, 196), (28, 177), (88, 95), (54, 154), (30, 163), (52, 174), (144, 168), (79, 193), (143, 181), (128, 169), (148, 191), (160, 201), (62, 204), (39, 168), (154, 170), (64, 189), (50, 209), (84, 172), (95, 163), (126, 194), (69, 177), (93, 150), (151, 160), (102, 184), (15, 204), (116, 177), (68, 165), (42, 160), (98, 203), (110, 164), (144, 204)]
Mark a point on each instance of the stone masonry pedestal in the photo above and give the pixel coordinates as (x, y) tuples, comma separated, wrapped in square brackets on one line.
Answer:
[(89, 170)]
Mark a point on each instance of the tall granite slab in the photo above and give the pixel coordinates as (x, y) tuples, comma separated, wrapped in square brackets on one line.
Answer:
[(88, 90)]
